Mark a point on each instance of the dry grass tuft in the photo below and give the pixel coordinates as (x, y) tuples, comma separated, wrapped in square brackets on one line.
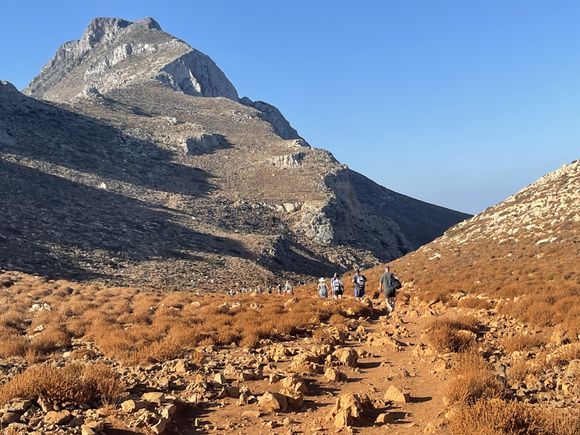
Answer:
[(475, 303), (522, 342), (498, 417), (453, 335), (72, 383), (473, 381)]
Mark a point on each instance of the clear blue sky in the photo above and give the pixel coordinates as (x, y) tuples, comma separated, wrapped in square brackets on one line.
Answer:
[(460, 103)]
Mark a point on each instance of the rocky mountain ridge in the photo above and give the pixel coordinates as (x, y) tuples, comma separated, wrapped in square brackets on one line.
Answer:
[(135, 162)]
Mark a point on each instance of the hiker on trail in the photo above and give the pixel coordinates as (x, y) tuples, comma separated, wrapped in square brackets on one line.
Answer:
[(389, 284), (279, 288), (360, 282), (322, 288), (288, 288), (337, 286)]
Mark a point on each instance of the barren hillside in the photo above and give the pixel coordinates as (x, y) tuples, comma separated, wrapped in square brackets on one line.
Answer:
[(136, 163)]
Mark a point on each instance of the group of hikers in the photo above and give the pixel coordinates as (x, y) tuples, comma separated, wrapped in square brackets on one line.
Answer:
[(279, 288), (388, 284)]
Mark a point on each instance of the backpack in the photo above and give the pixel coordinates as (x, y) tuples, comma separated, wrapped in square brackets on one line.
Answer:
[(360, 280), (395, 283)]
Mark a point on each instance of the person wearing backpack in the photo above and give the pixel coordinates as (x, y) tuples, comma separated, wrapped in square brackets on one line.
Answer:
[(337, 286), (288, 288), (389, 284), (322, 288), (360, 282)]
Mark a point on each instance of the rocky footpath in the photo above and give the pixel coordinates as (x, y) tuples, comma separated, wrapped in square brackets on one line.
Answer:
[(367, 374)]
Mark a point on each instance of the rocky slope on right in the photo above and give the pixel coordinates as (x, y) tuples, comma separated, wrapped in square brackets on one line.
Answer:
[(525, 249)]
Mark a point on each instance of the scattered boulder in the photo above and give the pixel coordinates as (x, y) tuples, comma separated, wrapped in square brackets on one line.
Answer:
[(58, 417), (332, 374), (346, 356), (156, 397), (295, 383), (396, 395), (129, 406), (385, 417), (219, 379), (348, 410), (273, 402)]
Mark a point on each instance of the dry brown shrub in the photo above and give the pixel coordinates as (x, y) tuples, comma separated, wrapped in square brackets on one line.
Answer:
[(72, 383), (53, 338), (325, 336), (475, 303), (498, 417), (522, 342), (453, 335), (13, 345), (473, 381), (105, 382), (564, 354)]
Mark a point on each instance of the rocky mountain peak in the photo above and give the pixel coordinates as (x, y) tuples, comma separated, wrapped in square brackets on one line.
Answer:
[(114, 53), (102, 29)]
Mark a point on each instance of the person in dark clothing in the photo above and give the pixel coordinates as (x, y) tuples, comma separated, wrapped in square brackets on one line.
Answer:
[(389, 284), (360, 282)]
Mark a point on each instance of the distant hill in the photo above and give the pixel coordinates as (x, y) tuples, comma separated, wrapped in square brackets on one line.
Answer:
[(132, 160)]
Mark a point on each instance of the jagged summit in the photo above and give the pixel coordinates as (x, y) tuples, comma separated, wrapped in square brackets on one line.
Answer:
[(114, 53)]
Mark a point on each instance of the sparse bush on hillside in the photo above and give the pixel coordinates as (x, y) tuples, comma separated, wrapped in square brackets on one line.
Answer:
[(473, 381), (521, 342), (498, 417), (71, 383), (453, 335), (476, 303)]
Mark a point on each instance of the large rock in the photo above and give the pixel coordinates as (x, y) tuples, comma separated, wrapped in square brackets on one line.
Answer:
[(346, 356), (349, 409), (273, 402), (295, 383), (58, 417), (396, 395)]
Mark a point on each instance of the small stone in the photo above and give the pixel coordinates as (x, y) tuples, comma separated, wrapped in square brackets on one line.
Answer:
[(10, 417), (251, 414), (129, 406), (156, 397), (396, 395), (385, 417), (346, 356), (57, 417), (160, 426), (295, 383), (273, 402), (332, 374), (219, 379), (181, 367)]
